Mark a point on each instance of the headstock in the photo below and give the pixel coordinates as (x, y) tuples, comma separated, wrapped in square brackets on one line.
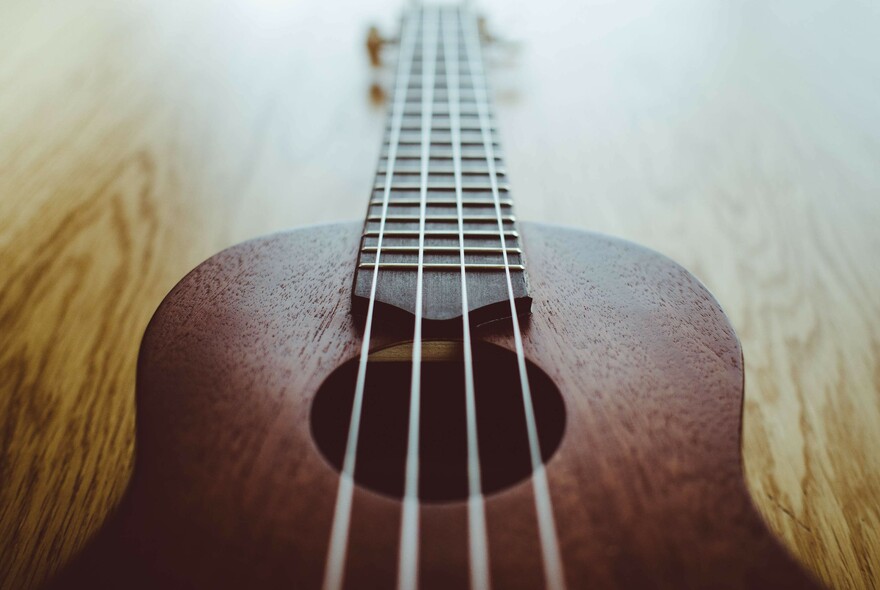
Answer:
[(499, 51)]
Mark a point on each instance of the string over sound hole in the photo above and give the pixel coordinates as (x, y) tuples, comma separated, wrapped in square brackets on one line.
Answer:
[(443, 460)]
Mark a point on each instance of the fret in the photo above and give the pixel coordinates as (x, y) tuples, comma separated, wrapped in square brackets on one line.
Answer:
[(464, 120), (468, 152), (442, 60), (464, 62), (441, 170), (443, 218), (440, 233), (413, 108), (439, 181), (470, 124), (438, 171), (464, 77), (440, 123), (468, 138), (441, 81), (466, 97), (440, 266), (441, 142), (413, 202), (441, 92), (444, 127), (446, 167), (411, 124), (440, 136), (464, 66), (438, 185), (441, 249), (466, 92)]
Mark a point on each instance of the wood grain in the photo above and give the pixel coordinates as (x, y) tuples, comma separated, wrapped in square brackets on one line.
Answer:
[(137, 139)]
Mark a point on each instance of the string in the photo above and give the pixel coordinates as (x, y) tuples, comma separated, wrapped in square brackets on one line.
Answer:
[(409, 526), (335, 566), (553, 574), (479, 555)]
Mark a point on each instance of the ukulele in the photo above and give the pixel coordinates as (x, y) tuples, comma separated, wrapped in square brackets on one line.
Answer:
[(441, 397)]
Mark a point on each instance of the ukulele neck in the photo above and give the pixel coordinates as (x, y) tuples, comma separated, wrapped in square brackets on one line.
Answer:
[(440, 214)]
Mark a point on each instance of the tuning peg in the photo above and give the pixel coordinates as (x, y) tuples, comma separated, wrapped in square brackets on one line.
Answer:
[(489, 38), (508, 47), (375, 42), (483, 29)]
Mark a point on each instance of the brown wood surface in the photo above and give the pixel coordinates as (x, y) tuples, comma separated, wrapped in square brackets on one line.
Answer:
[(230, 491), (137, 139)]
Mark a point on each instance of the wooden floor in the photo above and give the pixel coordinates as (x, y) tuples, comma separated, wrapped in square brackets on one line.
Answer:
[(740, 138)]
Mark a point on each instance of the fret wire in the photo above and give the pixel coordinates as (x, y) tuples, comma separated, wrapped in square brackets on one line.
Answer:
[(447, 249), (441, 266), (442, 203), (468, 109), (442, 94), (439, 171), (467, 93), (443, 144), (412, 141), (410, 123), (436, 127), (443, 113), (442, 154), (440, 125), (443, 136), (464, 102), (441, 167), (442, 128), (447, 153), (439, 233), (443, 218), (402, 185), (444, 81), (410, 127), (472, 157)]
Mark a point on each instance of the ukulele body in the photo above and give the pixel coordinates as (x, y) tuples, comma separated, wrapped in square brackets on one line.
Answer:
[(229, 489)]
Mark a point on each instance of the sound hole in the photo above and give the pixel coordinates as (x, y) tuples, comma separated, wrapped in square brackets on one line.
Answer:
[(501, 421)]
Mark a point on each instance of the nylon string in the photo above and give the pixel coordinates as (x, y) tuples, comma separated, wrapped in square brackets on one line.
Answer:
[(408, 571), (477, 539)]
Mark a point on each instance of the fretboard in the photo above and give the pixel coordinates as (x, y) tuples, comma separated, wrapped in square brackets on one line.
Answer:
[(440, 203)]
